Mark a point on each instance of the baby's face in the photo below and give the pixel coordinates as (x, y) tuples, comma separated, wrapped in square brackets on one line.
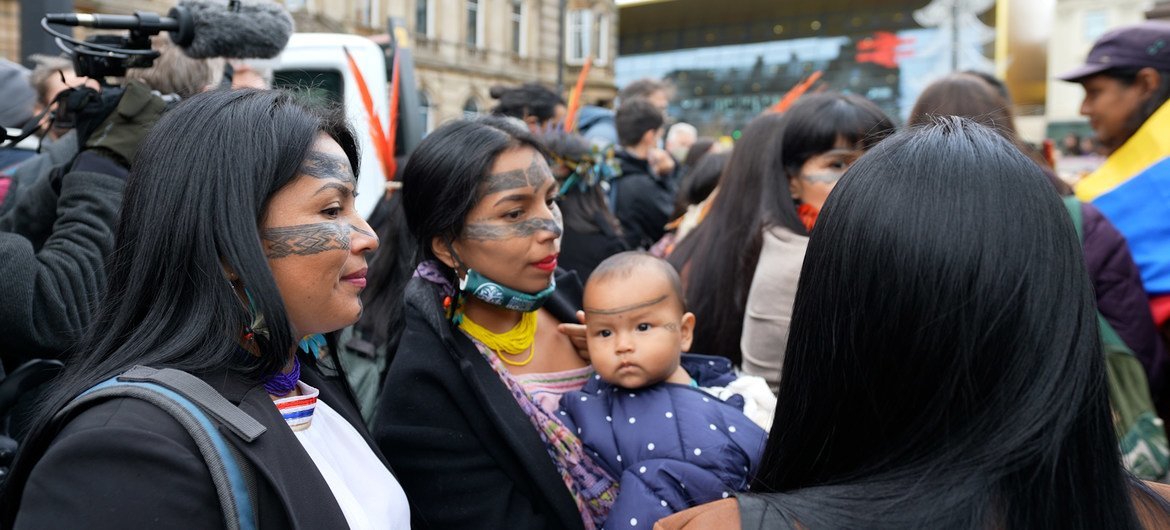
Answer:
[(636, 329)]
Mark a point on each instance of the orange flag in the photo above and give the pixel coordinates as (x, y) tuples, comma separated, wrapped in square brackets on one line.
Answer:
[(392, 135), (382, 148), (575, 97), (796, 92)]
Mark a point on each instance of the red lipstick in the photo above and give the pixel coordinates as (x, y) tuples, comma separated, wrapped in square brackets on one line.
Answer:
[(547, 264)]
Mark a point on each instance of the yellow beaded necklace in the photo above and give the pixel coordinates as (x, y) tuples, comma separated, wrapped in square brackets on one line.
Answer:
[(513, 342)]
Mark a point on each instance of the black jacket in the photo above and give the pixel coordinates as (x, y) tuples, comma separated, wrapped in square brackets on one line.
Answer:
[(464, 451), (53, 249), (644, 201), (125, 463)]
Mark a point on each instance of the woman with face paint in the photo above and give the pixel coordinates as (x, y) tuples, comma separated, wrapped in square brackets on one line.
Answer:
[(754, 236), (468, 414), (237, 247)]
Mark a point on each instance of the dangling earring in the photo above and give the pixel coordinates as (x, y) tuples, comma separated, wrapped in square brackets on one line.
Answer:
[(312, 344), (257, 325)]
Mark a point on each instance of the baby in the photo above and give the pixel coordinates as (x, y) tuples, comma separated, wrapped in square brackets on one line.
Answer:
[(644, 417)]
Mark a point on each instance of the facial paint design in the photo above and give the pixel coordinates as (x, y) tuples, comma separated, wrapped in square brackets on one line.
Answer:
[(495, 232), (624, 309), (827, 177), (535, 175), (325, 166), (306, 240)]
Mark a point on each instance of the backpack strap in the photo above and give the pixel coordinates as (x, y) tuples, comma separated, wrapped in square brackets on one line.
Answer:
[(193, 403), (1074, 211)]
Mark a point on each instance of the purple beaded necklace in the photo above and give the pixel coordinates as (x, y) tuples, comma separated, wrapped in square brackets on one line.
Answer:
[(281, 384)]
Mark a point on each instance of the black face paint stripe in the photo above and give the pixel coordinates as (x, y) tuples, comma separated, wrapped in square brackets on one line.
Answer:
[(492, 232), (624, 309), (325, 166), (533, 176), (305, 240)]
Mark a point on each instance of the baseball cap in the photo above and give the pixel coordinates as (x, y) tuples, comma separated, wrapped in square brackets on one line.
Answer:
[(1138, 46)]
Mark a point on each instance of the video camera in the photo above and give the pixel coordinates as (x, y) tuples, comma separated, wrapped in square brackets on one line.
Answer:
[(201, 28)]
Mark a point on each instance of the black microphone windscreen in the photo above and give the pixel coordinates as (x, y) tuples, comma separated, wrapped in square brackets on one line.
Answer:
[(259, 30)]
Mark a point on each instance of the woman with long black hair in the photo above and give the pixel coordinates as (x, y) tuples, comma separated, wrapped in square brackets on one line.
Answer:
[(767, 187), (237, 247), (944, 368), (468, 416)]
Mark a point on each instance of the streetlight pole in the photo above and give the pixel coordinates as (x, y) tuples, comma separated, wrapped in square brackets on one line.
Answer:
[(561, 46)]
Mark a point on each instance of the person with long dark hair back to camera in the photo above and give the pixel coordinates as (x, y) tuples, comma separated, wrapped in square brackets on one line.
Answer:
[(237, 247), (944, 366), (469, 413)]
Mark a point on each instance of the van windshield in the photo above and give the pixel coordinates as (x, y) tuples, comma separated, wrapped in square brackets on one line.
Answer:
[(319, 86)]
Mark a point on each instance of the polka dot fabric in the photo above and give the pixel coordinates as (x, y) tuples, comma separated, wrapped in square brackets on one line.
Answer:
[(674, 446)]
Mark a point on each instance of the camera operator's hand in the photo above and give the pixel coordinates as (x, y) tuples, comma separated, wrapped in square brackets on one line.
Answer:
[(124, 129)]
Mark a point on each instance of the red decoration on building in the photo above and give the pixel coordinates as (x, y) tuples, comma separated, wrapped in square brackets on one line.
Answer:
[(882, 49)]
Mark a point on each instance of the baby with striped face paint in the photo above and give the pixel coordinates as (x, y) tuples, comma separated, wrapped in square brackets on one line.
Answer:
[(637, 325), (652, 415)]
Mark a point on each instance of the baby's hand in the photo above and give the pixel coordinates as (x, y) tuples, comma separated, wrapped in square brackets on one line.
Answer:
[(576, 334)]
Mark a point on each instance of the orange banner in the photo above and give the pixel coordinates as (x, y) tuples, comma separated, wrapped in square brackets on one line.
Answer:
[(383, 149), (575, 97)]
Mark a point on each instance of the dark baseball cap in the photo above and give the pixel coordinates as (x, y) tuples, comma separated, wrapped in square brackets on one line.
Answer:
[(1138, 46)]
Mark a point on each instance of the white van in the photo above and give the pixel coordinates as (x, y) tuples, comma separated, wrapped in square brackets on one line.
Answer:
[(316, 63)]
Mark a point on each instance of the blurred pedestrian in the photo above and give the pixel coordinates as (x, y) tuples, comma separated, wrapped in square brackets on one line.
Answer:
[(644, 192), (1126, 77), (679, 139), (584, 175), (916, 372), (741, 264), (538, 107)]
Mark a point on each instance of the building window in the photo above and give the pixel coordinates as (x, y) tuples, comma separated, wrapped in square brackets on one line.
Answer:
[(1096, 22), (577, 41), (474, 24), (519, 33), (470, 108), (602, 38), (424, 23), (426, 113)]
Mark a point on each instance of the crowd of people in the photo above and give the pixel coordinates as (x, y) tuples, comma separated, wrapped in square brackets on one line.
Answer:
[(837, 322)]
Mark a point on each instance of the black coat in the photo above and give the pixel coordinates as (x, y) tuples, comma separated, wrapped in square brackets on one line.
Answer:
[(464, 451), (125, 463), (643, 202)]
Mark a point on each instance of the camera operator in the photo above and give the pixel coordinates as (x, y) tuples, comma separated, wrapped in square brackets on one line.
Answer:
[(57, 235)]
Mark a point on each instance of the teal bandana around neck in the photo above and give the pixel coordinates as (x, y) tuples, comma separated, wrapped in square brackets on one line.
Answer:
[(483, 288)]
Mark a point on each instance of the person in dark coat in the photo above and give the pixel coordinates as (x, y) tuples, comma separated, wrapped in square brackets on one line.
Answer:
[(644, 194), (467, 414), (234, 243), (645, 415)]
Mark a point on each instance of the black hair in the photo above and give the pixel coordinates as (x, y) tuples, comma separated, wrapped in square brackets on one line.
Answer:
[(441, 180), (699, 181), (634, 118), (193, 206), (584, 205), (1127, 77), (697, 151), (390, 268), (530, 99), (634, 263), (943, 368), (718, 258)]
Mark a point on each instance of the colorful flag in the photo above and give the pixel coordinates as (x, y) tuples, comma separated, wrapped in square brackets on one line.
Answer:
[(1132, 189)]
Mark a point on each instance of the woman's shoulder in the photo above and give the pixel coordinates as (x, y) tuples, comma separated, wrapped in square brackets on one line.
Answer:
[(718, 515), (777, 237)]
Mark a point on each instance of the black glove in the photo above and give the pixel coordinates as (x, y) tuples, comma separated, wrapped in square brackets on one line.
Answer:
[(121, 132)]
